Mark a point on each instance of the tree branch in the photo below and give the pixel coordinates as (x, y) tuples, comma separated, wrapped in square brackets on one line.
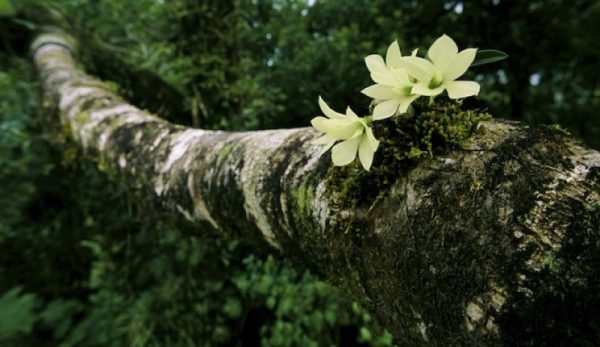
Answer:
[(477, 247)]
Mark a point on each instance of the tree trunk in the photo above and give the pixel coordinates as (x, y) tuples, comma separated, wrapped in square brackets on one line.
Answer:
[(496, 243)]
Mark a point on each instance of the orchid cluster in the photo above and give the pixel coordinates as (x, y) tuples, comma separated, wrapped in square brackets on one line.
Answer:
[(399, 81)]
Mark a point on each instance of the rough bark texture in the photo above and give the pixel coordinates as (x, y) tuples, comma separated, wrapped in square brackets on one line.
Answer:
[(497, 243)]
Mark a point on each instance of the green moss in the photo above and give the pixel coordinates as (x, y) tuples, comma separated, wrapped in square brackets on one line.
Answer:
[(437, 129), (70, 154), (82, 117), (302, 197), (64, 132), (593, 206), (443, 127), (558, 129), (109, 86), (224, 152), (71, 151), (102, 164), (552, 263)]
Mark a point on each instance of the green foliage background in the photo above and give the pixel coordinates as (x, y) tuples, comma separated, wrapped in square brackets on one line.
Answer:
[(84, 262)]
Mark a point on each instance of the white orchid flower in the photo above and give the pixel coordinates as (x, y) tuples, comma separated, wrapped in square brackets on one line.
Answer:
[(354, 132), (393, 88), (439, 72)]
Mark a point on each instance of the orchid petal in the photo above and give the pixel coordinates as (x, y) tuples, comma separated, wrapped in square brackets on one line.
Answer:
[(345, 152), (365, 153), (418, 68), (379, 91), (393, 57), (459, 65), (375, 64), (358, 132), (373, 142), (317, 123), (327, 142), (341, 129), (442, 51), (401, 76), (384, 78), (327, 111), (462, 89), (350, 114), (423, 89), (323, 140), (385, 109), (405, 104)]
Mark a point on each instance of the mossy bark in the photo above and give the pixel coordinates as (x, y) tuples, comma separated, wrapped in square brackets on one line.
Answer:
[(496, 243)]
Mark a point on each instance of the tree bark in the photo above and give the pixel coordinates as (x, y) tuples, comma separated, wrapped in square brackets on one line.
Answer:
[(496, 243)]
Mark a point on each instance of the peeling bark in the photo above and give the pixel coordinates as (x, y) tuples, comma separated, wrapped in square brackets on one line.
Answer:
[(497, 243)]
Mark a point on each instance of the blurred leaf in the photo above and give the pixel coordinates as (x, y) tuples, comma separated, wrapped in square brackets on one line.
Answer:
[(27, 24), (486, 56), (16, 313), (6, 8)]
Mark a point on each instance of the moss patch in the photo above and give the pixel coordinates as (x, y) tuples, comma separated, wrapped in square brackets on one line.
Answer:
[(435, 130), (302, 197), (224, 152)]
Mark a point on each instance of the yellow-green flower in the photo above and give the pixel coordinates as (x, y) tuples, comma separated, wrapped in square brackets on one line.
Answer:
[(439, 72), (393, 88), (354, 132)]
